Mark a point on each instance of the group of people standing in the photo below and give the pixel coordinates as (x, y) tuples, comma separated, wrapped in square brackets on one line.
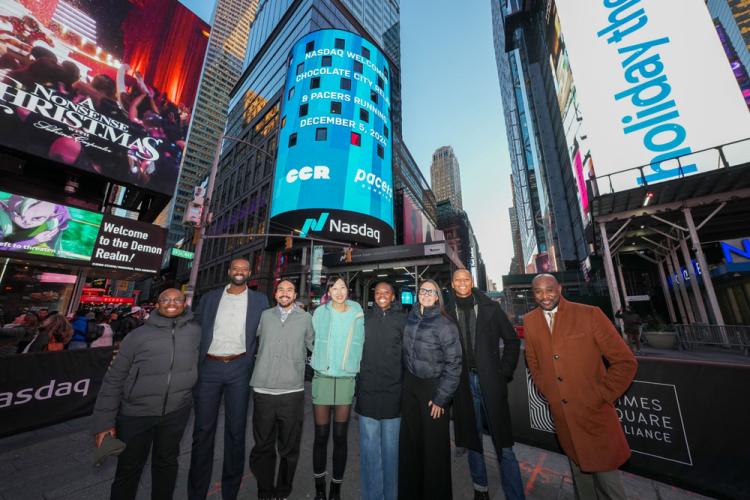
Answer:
[(406, 370)]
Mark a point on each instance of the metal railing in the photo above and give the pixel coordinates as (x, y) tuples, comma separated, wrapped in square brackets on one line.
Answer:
[(727, 155), (728, 336)]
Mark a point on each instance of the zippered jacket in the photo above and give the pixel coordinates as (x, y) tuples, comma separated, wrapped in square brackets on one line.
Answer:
[(153, 373), (339, 338)]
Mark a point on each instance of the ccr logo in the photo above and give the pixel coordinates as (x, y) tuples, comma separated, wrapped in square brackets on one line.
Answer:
[(307, 173), (375, 182)]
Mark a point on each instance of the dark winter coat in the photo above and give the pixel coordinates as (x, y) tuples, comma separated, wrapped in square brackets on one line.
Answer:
[(380, 371), (154, 372), (494, 371), (432, 350)]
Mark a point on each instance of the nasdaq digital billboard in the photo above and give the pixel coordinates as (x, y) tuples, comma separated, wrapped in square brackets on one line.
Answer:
[(333, 174), (105, 86), (653, 83)]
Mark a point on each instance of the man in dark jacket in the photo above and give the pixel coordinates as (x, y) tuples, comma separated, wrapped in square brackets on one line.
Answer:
[(481, 400), (146, 397), (229, 318), (379, 397)]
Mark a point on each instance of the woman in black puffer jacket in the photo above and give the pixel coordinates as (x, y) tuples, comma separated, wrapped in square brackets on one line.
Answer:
[(432, 362)]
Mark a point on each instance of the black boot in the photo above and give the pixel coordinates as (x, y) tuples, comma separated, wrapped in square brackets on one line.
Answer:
[(320, 488), (335, 492), (481, 495)]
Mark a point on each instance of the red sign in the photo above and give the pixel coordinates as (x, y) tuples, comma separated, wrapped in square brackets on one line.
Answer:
[(98, 299)]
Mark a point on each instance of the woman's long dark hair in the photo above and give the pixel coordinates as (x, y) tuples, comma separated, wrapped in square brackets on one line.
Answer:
[(58, 328), (330, 281)]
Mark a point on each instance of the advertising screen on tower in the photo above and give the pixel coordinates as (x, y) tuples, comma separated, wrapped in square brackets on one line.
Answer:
[(653, 83), (105, 86), (333, 174)]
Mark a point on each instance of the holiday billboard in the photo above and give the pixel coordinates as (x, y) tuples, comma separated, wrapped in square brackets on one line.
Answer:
[(105, 86)]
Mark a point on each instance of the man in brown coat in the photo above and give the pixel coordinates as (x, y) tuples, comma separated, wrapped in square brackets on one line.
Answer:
[(565, 343)]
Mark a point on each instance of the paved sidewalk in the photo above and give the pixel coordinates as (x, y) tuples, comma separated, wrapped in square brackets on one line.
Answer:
[(56, 463)]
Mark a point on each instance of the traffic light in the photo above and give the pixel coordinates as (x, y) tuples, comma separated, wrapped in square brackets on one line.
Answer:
[(288, 243), (348, 255)]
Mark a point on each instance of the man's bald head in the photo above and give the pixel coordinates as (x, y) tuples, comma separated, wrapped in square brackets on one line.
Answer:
[(171, 303), (546, 291)]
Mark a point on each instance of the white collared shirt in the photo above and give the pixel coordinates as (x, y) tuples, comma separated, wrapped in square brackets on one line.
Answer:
[(549, 316), (229, 326)]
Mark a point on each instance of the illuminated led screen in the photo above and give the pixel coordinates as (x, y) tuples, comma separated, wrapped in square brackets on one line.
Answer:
[(333, 174)]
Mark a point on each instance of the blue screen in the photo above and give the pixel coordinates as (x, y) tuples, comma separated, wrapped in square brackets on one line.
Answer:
[(335, 140), (407, 297)]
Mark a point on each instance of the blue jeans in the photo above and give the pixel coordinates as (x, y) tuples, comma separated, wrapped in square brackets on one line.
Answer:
[(378, 458), (510, 473)]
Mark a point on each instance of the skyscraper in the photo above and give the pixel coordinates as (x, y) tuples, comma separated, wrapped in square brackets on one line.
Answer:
[(445, 176), (223, 66), (243, 191)]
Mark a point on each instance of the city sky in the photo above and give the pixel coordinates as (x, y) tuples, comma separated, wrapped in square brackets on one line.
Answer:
[(451, 96)]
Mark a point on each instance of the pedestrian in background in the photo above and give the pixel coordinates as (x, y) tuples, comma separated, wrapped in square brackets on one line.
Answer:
[(285, 333), (146, 396), (339, 335), (432, 362), (229, 318), (481, 400), (632, 326), (565, 344), (379, 397)]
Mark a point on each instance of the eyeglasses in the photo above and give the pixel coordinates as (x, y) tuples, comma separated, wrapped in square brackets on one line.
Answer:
[(428, 292), (175, 300)]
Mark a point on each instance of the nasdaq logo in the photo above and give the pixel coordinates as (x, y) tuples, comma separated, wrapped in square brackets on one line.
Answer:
[(314, 224)]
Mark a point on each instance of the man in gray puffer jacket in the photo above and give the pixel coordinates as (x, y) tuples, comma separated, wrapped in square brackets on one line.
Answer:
[(145, 398)]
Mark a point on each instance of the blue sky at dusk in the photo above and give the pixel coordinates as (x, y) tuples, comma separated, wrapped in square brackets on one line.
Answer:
[(451, 97)]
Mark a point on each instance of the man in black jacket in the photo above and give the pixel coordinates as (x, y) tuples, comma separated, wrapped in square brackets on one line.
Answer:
[(379, 397), (481, 400), (229, 318), (146, 397)]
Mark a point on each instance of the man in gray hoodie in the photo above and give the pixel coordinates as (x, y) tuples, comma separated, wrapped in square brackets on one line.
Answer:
[(285, 333), (146, 396)]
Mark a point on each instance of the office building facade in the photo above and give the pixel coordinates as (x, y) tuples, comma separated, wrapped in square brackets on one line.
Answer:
[(445, 176)]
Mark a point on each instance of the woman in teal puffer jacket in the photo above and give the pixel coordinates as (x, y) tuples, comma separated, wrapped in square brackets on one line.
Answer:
[(339, 336)]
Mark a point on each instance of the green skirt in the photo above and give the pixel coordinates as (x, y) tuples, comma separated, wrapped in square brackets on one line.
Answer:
[(332, 390)]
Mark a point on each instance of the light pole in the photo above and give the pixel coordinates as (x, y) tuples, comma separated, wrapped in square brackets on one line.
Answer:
[(207, 208)]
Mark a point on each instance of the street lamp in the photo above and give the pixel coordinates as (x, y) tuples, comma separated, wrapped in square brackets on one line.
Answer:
[(207, 207)]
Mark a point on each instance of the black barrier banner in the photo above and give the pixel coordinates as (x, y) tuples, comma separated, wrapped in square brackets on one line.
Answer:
[(685, 423), (46, 388)]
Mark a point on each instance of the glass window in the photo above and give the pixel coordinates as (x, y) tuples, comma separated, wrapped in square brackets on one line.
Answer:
[(292, 140), (374, 96), (303, 110), (335, 107), (339, 43), (326, 61), (365, 52), (385, 130), (380, 82), (321, 134), (346, 84), (300, 68), (381, 152), (357, 67), (291, 94), (310, 46), (283, 121), (315, 82), (356, 139), (364, 115)]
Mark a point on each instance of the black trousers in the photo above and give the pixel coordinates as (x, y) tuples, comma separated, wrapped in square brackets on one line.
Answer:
[(277, 427), (424, 445), (217, 379), (139, 434)]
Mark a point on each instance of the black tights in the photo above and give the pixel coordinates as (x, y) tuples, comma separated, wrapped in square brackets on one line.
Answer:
[(322, 415)]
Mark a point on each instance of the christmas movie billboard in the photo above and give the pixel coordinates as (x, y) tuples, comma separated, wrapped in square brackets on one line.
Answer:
[(105, 86)]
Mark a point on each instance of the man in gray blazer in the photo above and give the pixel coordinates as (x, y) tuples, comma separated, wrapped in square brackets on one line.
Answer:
[(285, 334)]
